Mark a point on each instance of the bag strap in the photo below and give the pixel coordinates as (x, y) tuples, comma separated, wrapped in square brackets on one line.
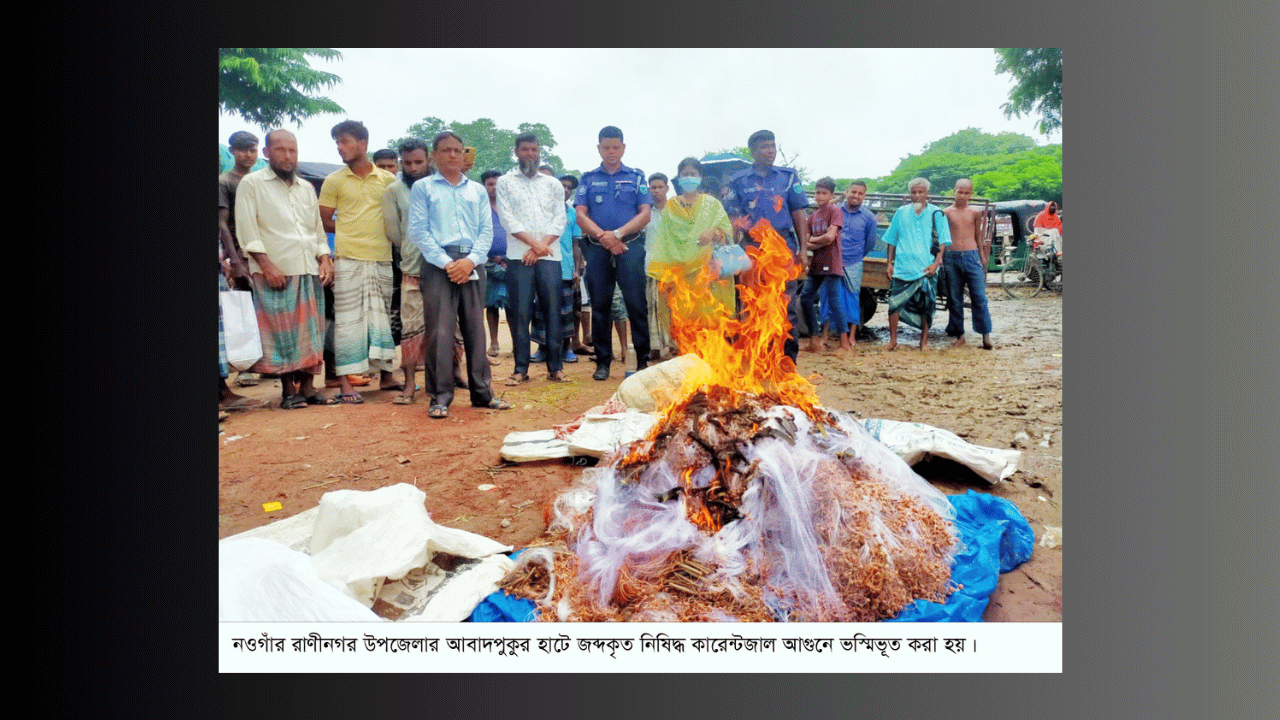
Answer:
[(933, 224)]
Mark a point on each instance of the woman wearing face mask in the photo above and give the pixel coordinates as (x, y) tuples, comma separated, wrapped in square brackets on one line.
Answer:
[(693, 225)]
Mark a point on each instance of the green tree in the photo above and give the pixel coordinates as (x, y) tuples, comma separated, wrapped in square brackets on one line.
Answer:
[(1037, 176), (971, 153), (972, 141), (266, 85), (1037, 73), (495, 146), (741, 152)]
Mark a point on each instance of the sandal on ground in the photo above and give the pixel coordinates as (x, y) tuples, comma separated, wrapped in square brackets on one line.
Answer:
[(438, 412), (397, 386), (318, 399), (517, 379), (351, 399), (293, 402), (557, 377), (497, 404), (402, 400)]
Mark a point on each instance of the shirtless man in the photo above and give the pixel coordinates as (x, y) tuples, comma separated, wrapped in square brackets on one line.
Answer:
[(966, 263)]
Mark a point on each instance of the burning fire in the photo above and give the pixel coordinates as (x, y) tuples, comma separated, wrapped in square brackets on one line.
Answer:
[(747, 501), (744, 355)]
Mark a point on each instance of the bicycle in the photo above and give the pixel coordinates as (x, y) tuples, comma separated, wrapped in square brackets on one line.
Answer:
[(1041, 268)]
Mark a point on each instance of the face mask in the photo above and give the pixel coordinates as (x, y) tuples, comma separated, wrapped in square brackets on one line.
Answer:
[(689, 184)]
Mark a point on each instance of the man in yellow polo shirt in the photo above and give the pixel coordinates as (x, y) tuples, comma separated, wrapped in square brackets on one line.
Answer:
[(362, 284)]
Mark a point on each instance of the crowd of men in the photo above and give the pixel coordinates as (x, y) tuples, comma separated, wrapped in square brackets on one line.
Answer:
[(422, 255)]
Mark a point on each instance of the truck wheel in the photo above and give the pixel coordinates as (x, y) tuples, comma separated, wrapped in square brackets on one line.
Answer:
[(866, 304), (1019, 284)]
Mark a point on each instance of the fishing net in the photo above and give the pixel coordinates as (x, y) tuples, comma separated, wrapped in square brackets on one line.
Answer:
[(743, 510), (748, 501)]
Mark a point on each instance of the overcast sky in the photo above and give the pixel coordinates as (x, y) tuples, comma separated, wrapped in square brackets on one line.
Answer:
[(839, 112)]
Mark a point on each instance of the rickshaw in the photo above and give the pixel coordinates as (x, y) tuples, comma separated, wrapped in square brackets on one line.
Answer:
[(1028, 260)]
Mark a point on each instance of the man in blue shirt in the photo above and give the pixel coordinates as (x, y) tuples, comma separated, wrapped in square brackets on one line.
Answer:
[(773, 193), (613, 204), (912, 264), (857, 238), (451, 224)]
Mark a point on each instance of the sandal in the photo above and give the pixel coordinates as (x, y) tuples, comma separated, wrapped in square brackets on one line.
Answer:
[(557, 377), (293, 402), (402, 400), (318, 399), (517, 379), (497, 404), (438, 412), (352, 399)]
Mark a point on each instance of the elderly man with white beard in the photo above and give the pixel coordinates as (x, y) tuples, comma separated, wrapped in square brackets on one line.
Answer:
[(912, 264)]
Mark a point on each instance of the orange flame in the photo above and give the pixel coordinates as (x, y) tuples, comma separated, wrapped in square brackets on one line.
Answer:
[(743, 354)]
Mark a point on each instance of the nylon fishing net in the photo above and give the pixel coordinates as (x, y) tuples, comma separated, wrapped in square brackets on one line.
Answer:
[(748, 501), (743, 510)]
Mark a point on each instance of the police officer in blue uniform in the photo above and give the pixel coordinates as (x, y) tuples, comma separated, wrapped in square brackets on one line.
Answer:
[(754, 193), (613, 204)]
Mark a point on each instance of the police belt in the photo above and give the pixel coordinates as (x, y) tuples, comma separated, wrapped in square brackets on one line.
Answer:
[(627, 239)]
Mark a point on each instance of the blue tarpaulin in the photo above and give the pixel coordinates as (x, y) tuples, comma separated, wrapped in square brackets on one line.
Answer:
[(994, 539)]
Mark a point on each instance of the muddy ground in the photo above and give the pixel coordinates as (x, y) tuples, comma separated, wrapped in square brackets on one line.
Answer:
[(986, 397)]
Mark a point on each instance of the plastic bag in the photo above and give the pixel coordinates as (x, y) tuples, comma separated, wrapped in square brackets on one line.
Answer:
[(240, 328), (733, 259)]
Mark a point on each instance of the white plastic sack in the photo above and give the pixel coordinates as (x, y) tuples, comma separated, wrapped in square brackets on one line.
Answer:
[(642, 390), (599, 435), (361, 539), (264, 581), (913, 441), (531, 445), (458, 597), (240, 329)]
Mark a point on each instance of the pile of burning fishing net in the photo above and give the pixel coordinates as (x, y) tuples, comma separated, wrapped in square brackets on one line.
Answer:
[(740, 508), (748, 501)]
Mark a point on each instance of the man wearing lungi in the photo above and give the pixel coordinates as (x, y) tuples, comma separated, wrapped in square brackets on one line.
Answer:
[(279, 228), (911, 263), (451, 223), (363, 279), (395, 217)]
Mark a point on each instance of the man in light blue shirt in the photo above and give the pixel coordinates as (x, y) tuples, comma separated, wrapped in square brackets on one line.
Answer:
[(451, 224), (912, 265)]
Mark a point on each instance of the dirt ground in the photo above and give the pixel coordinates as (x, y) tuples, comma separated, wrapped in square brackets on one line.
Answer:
[(986, 397)]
